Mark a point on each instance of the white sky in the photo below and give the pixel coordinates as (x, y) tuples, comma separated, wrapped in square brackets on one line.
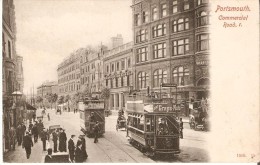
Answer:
[(49, 30)]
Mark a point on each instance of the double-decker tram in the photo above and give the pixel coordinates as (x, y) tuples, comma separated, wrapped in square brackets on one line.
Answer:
[(153, 127), (92, 111)]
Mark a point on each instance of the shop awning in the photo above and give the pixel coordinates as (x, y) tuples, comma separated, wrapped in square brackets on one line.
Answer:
[(30, 107)]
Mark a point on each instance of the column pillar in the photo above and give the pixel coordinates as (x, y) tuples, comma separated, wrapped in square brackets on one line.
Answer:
[(120, 101), (115, 103)]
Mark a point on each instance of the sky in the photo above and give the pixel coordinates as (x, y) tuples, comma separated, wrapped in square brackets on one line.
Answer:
[(49, 30)]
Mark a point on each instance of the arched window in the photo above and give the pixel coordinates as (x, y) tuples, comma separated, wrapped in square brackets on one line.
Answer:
[(159, 76), (202, 19), (142, 80), (181, 75)]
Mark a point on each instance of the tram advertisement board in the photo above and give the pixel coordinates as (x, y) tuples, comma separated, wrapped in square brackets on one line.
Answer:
[(163, 107)]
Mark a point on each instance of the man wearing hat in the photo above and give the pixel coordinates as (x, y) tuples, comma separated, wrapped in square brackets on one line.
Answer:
[(48, 157), (44, 137), (27, 144), (71, 147), (96, 131)]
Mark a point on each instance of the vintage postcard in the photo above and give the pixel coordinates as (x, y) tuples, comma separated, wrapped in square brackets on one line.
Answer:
[(130, 81)]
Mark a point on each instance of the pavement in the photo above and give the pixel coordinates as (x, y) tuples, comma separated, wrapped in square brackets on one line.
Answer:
[(114, 147)]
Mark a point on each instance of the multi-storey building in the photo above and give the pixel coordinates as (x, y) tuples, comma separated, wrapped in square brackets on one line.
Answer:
[(116, 41), (171, 45), (10, 78), (92, 71), (45, 89), (69, 74), (118, 74)]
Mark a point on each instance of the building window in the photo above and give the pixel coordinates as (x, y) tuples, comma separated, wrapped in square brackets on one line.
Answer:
[(122, 81), (203, 19), (155, 13), (180, 47), (202, 2), (107, 68), (3, 42), (174, 6), (117, 66), (141, 35), (186, 5), (106, 82), (127, 80), (141, 54), (123, 64), (9, 49), (159, 76), (116, 82), (163, 10), (129, 63), (137, 19), (203, 42), (112, 68), (181, 75), (145, 17), (159, 30), (142, 80), (159, 50), (180, 25), (111, 83)]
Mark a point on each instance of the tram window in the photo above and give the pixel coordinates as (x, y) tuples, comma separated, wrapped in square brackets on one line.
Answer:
[(165, 126)]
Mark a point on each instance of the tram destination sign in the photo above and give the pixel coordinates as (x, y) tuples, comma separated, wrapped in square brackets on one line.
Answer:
[(169, 85), (161, 107)]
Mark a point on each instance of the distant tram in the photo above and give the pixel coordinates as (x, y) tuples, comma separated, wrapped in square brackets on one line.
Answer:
[(90, 112), (152, 127)]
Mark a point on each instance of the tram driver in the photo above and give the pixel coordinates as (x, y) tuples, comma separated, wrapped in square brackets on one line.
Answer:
[(92, 117), (163, 127)]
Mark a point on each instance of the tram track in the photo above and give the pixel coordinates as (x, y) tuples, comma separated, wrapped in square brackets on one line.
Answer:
[(118, 147)]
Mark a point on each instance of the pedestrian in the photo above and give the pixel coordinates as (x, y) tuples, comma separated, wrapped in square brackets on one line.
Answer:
[(44, 137), (62, 140), (35, 132), (12, 136), (71, 147), (79, 155), (48, 157), (34, 117), (40, 126), (181, 128), (92, 117), (23, 129), (96, 131), (48, 117), (19, 134), (83, 140), (30, 127), (27, 144), (55, 140)]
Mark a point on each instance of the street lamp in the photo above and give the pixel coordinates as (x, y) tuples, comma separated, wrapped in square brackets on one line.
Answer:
[(17, 95)]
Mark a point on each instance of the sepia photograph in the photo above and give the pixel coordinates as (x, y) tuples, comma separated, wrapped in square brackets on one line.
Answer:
[(107, 81)]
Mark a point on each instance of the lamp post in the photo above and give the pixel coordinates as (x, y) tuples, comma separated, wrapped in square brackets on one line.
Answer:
[(17, 95)]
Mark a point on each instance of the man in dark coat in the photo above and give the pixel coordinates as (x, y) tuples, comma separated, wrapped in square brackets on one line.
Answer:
[(30, 126), (23, 129), (71, 147), (96, 131), (40, 126), (63, 140), (55, 140), (48, 158), (19, 134), (35, 133), (44, 137), (27, 144), (79, 154), (181, 128), (82, 139)]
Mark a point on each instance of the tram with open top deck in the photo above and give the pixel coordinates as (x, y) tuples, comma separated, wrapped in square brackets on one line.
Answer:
[(90, 112), (153, 127)]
